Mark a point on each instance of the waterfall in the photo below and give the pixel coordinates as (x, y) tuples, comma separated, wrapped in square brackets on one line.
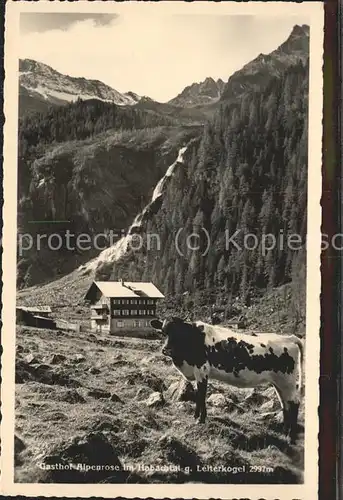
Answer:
[(119, 249)]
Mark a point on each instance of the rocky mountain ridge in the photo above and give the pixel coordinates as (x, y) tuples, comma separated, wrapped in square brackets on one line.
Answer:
[(257, 74), (199, 94), (43, 84)]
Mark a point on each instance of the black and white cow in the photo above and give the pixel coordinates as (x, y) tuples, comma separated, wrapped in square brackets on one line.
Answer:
[(201, 351)]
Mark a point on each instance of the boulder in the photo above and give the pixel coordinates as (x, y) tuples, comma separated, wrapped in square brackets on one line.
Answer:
[(143, 392), (31, 359), (54, 359), (78, 358), (23, 371), (92, 449), (94, 371), (46, 375), (115, 398), (180, 391), (155, 400), (217, 400)]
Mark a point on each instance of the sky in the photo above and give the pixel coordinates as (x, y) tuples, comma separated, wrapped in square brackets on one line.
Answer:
[(156, 56)]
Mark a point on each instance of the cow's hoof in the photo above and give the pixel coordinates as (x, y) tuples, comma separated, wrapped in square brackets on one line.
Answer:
[(200, 421)]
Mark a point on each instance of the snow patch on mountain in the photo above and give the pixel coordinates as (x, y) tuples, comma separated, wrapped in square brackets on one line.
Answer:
[(42, 81)]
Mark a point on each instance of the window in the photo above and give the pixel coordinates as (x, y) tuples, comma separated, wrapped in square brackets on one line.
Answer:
[(150, 301), (116, 301), (133, 312), (120, 324), (142, 312), (133, 301), (136, 323), (116, 312), (125, 312)]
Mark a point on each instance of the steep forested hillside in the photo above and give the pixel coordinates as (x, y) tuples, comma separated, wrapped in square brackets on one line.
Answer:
[(87, 167), (248, 173), (80, 120), (77, 121)]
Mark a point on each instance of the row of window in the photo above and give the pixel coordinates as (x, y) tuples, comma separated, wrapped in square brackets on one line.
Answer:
[(133, 301), (133, 312), (136, 323)]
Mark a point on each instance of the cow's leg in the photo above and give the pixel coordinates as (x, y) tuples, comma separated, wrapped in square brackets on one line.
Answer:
[(285, 409), (197, 404), (201, 398), (290, 400), (201, 376), (293, 420)]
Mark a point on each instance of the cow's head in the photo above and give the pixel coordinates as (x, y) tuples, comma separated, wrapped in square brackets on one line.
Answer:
[(182, 337)]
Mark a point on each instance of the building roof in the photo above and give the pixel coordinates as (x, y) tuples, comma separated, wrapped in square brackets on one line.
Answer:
[(33, 309), (126, 289), (44, 318)]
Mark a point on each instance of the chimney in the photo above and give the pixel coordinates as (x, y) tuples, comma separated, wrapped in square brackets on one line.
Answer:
[(122, 282)]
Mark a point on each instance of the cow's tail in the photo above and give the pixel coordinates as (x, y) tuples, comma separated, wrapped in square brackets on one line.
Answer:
[(300, 343)]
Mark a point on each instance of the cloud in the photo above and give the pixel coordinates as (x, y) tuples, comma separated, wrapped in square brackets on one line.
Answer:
[(42, 22)]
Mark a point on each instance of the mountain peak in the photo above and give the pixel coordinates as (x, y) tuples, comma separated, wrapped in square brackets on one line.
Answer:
[(257, 73), (43, 86), (297, 42), (209, 81), (201, 93), (303, 30)]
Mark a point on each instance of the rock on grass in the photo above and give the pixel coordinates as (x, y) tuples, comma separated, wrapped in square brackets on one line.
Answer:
[(93, 450), (94, 371), (55, 359), (147, 378), (217, 400), (42, 373), (180, 391), (155, 400), (31, 359), (78, 358), (115, 399)]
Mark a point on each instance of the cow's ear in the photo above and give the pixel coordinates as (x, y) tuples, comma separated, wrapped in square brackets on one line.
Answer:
[(156, 324)]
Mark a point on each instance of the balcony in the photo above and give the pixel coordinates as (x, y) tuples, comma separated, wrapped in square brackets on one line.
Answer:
[(101, 317)]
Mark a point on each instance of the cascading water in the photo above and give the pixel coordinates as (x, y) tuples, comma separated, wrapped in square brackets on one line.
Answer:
[(116, 251)]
